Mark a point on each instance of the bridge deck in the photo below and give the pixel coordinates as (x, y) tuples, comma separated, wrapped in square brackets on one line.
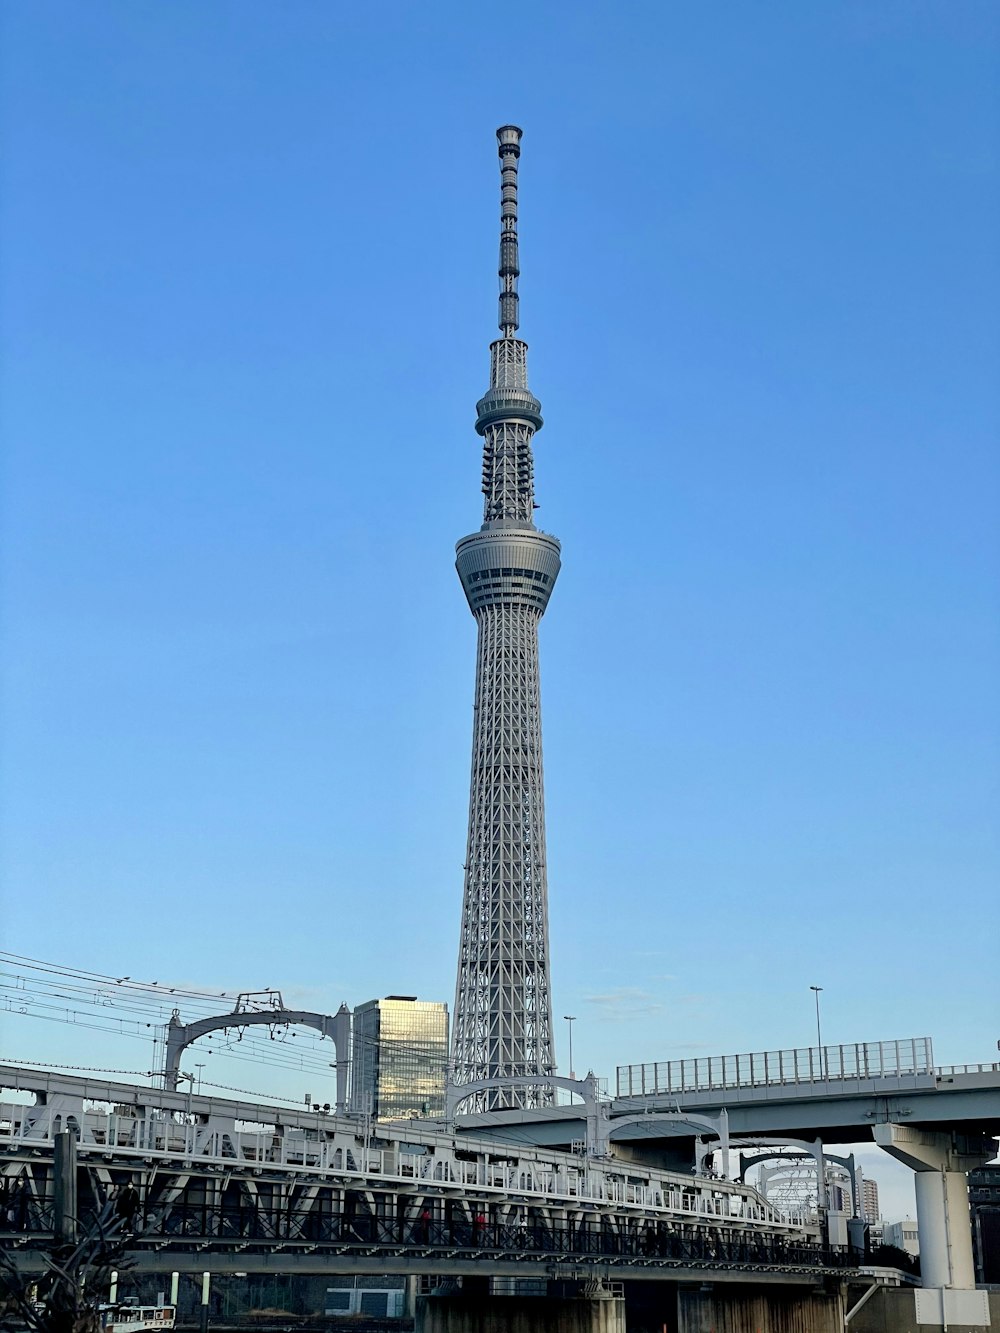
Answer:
[(199, 1188), (842, 1110)]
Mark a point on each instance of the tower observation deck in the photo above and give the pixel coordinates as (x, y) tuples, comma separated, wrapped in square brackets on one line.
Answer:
[(502, 1023)]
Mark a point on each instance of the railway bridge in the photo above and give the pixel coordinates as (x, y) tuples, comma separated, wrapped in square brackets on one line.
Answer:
[(216, 1186), (221, 1178)]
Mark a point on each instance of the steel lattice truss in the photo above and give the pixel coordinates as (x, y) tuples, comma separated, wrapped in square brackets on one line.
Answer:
[(790, 1184), (503, 1023), (508, 470), (794, 1185), (503, 1005), (227, 1177)]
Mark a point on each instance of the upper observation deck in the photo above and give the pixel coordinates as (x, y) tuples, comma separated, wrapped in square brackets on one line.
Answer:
[(508, 564)]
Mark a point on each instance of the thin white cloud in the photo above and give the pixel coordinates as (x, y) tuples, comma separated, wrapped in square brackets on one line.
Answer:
[(625, 1002)]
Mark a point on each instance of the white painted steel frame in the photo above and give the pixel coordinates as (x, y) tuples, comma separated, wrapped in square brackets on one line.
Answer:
[(156, 1141)]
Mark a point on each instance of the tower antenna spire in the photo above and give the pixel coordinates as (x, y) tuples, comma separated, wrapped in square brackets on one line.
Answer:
[(509, 413), (509, 148)]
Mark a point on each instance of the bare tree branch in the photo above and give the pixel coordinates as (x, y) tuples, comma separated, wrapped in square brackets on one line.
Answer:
[(67, 1297)]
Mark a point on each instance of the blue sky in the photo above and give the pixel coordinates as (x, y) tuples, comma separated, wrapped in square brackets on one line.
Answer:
[(247, 293)]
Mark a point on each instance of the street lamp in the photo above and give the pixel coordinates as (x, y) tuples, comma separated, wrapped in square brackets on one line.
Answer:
[(570, 1019), (819, 1033)]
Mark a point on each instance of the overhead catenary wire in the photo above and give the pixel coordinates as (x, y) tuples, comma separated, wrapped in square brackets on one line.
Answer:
[(258, 1053), (140, 1073), (121, 1006), (33, 1001), (317, 1068), (61, 969), (153, 1001), (157, 993)]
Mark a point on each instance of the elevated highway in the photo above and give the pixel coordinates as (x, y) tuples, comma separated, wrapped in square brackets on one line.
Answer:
[(941, 1121), (837, 1094)]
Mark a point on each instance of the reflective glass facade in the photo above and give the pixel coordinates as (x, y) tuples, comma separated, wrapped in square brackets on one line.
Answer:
[(399, 1057)]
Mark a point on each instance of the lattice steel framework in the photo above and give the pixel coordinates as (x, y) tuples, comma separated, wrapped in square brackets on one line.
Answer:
[(503, 1004)]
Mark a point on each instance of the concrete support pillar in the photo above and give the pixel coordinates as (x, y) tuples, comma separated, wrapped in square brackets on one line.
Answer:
[(941, 1162), (945, 1229), (739, 1309), (513, 1314), (410, 1298)]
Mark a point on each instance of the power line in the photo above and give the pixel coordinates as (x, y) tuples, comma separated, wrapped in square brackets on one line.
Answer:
[(60, 969), (86, 1069), (153, 1004), (141, 1073), (137, 1010), (303, 1065)]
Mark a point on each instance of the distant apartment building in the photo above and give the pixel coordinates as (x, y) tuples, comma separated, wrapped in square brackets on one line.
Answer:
[(399, 1057), (903, 1235), (869, 1199), (839, 1194)]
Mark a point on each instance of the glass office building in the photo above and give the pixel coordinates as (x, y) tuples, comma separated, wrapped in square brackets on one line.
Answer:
[(399, 1057)]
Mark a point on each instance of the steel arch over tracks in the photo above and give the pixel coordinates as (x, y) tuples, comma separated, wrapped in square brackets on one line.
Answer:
[(335, 1026)]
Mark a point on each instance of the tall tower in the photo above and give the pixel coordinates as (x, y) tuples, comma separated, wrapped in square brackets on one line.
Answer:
[(503, 1003)]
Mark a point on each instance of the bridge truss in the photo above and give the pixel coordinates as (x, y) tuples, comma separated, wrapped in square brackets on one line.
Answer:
[(234, 1179)]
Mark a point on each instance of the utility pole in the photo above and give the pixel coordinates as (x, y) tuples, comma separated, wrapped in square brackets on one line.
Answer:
[(64, 1186), (570, 1019), (819, 1033)]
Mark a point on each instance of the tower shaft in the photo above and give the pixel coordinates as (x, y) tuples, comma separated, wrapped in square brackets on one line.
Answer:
[(503, 1005)]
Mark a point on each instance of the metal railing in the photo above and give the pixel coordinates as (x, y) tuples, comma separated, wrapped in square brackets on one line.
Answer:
[(808, 1064)]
